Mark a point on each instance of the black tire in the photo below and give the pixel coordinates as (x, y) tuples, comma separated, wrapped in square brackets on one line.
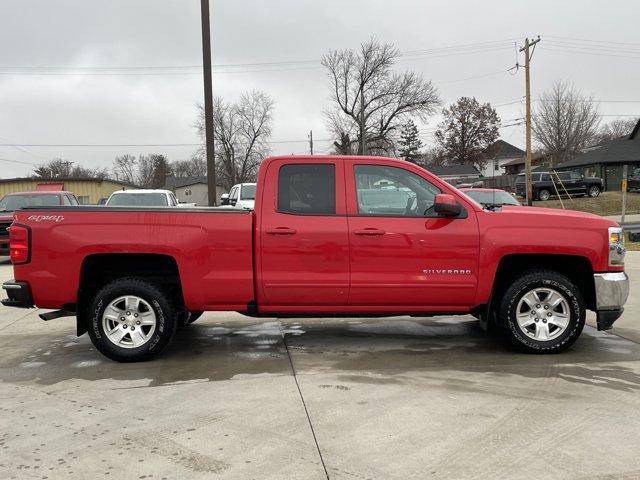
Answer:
[(166, 321), (593, 191), (542, 279), (543, 195)]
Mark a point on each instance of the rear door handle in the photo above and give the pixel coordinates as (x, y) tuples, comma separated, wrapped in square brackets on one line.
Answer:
[(370, 232), (281, 231)]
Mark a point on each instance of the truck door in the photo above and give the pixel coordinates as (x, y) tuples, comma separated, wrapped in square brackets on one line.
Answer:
[(399, 257), (303, 249)]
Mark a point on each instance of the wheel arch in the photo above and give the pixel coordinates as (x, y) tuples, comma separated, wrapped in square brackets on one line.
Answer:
[(99, 269), (576, 268)]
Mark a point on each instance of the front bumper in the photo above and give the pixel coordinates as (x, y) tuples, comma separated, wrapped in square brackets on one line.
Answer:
[(612, 290), (18, 293)]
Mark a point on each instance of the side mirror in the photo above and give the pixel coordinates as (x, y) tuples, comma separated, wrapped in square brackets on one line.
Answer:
[(224, 199), (233, 201), (446, 205)]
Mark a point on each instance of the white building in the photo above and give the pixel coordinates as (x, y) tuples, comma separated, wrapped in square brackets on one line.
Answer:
[(501, 153), (192, 190)]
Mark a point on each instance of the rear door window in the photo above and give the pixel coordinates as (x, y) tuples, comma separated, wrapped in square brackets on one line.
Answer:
[(307, 189)]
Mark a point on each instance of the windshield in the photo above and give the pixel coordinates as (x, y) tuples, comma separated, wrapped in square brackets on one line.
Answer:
[(492, 198), (248, 192), (13, 202), (520, 179), (137, 200)]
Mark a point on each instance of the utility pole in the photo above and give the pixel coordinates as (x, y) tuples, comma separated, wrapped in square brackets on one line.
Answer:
[(527, 60), (68, 164), (208, 103), (363, 138), (311, 141), (624, 193)]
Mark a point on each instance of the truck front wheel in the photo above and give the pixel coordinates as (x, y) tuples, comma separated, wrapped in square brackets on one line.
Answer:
[(131, 320), (542, 312)]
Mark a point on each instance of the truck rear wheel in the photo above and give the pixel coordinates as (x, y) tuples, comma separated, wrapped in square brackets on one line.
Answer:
[(542, 312), (131, 320)]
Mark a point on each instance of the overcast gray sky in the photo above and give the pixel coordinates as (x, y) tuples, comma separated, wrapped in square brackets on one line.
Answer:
[(45, 44)]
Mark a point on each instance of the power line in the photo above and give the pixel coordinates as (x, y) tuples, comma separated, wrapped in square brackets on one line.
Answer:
[(437, 52), (18, 161), (553, 48), (591, 40), (125, 145)]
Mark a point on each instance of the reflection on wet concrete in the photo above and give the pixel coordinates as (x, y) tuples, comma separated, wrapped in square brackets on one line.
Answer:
[(380, 351)]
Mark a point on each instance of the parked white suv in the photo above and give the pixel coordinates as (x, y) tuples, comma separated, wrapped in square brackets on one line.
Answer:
[(242, 196), (142, 198)]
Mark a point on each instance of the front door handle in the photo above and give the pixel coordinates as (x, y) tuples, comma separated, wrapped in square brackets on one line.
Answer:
[(281, 231), (370, 232)]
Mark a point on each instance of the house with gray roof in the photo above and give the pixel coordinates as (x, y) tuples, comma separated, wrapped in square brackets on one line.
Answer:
[(498, 155), (606, 159)]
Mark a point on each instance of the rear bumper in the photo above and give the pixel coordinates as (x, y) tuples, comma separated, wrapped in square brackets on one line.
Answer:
[(612, 290), (19, 295)]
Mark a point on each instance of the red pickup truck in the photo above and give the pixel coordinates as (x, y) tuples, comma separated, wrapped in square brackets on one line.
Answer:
[(340, 236)]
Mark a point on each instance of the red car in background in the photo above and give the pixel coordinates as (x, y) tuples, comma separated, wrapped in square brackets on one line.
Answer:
[(16, 201)]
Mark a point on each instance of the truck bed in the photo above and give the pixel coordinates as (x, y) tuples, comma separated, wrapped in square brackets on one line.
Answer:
[(212, 248)]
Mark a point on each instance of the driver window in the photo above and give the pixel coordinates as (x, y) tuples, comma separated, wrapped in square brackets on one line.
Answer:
[(392, 191)]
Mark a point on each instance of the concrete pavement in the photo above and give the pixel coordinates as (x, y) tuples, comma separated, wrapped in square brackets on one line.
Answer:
[(242, 398)]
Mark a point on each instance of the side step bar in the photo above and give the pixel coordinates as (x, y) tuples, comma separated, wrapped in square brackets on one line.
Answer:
[(56, 314)]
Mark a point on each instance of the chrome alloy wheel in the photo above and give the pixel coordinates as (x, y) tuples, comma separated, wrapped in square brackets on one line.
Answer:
[(129, 321), (543, 314)]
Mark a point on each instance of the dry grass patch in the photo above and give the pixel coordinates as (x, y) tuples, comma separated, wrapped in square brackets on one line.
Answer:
[(608, 203)]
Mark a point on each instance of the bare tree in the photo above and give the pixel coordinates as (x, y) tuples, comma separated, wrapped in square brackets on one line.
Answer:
[(467, 132), (565, 121), (364, 89), (59, 168), (617, 128), (124, 168), (145, 173), (196, 166), (432, 157), (242, 131)]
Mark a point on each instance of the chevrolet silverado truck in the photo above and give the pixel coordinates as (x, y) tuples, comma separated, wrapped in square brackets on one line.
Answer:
[(338, 236)]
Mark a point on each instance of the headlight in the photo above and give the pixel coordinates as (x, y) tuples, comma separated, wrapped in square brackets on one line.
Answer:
[(616, 247)]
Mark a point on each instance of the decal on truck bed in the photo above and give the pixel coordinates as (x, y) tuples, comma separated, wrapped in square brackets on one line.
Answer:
[(46, 218)]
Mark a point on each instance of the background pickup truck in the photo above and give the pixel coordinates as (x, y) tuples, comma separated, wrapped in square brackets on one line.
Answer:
[(341, 236), (547, 184)]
